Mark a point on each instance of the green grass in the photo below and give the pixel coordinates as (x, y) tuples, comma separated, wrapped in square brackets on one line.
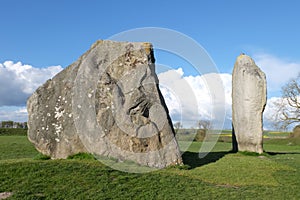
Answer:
[(276, 134), (225, 136), (233, 170), (219, 175), (282, 145), (15, 147)]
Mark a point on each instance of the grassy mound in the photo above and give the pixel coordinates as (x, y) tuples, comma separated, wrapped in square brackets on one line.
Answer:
[(219, 175)]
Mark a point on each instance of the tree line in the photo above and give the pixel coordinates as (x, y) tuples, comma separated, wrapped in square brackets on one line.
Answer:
[(12, 124)]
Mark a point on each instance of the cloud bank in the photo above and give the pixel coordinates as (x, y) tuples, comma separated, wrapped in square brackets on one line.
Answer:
[(278, 71), (188, 97), (14, 113), (19, 81)]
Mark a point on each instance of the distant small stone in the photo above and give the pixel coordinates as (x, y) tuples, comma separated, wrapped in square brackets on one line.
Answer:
[(296, 132), (262, 157), (5, 195)]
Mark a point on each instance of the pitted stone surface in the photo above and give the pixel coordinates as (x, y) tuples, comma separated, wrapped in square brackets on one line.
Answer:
[(107, 103), (249, 96)]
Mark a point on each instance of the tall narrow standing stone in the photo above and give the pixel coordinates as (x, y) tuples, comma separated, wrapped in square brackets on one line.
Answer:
[(249, 94)]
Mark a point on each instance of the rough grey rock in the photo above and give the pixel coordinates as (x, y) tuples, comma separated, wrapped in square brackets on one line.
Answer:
[(249, 94), (5, 195), (107, 103)]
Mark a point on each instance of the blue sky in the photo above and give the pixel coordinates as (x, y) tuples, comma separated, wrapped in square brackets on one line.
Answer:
[(43, 33), (56, 32)]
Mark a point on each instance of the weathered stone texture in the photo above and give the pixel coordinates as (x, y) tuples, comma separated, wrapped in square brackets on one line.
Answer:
[(249, 90), (107, 103)]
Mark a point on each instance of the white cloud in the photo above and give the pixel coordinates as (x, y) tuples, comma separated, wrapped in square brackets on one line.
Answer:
[(191, 98), (14, 113), (19, 81), (179, 95), (278, 71)]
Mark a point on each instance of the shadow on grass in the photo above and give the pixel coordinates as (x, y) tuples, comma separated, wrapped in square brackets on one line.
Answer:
[(280, 153), (192, 159)]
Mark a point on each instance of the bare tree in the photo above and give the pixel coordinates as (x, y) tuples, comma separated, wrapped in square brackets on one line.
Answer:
[(204, 124), (289, 106), (177, 126)]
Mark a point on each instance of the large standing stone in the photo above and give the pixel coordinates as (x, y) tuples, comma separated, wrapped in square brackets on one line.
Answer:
[(107, 103), (249, 90)]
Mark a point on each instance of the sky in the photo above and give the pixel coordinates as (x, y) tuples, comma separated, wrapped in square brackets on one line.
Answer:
[(40, 38)]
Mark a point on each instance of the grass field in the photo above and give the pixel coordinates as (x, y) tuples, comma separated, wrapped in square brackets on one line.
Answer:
[(219, 175)]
